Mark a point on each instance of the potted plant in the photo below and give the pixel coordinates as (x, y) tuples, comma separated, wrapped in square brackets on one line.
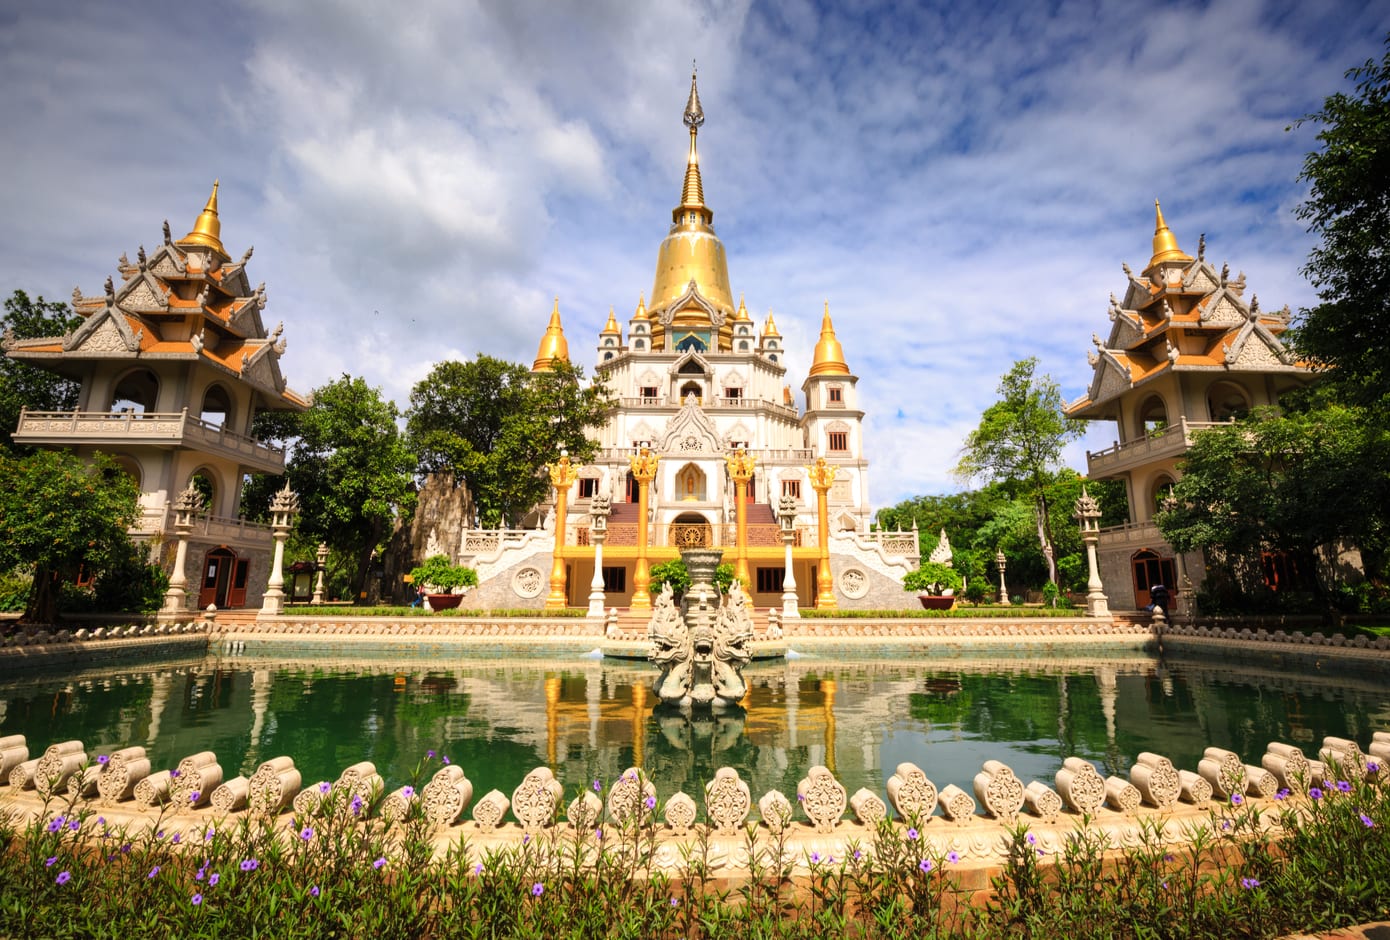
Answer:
[(936, 585), (442, 581)]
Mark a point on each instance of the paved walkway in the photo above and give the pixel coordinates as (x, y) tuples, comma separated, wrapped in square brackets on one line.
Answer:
[(1377, 931)]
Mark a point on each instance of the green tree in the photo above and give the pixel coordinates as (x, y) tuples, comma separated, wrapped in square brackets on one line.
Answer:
[(352, 470), (495, 425), (1304, 483), (23, 385), (1019, 441), (59, 512), (1348, 206)]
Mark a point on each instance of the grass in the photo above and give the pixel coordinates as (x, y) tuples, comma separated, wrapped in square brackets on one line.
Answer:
[(346, 872)]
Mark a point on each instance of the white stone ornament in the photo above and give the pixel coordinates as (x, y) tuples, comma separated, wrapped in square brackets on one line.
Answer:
[(727, 802), (536, 800), (1079, 786), (913, 796), (822, 799)]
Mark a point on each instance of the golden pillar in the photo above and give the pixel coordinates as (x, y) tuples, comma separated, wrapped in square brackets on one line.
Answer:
[(639, 723), (562, 477), (553, 688), (822, 475), (827, 687), (644, 472), (741, 470)]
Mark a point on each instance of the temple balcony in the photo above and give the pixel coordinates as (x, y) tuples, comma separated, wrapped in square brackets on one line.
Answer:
[(714, 404), (763, 454), (177, 429), (1134, 535), (1172, 441), (692, 535), (206, 527)]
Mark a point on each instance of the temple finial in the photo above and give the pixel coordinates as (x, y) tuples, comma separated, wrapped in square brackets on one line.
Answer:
[(1165, 242), (694, 114), (207, 230)]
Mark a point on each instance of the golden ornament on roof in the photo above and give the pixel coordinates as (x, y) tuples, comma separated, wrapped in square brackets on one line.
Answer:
[(1165, 242), (830, 356), (207, 230), (553, 344)]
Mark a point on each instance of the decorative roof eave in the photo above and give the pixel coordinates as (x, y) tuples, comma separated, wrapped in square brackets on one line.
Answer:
[(692, 297), (690, 422), (691, 356)]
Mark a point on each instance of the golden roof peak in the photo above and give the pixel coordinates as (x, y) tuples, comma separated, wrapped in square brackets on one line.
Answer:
[(770, 329), (830, 356), (1165, 242), (553, 344), (641, 312), (693, 193), (612, 325), (207, 230), (742, 314)]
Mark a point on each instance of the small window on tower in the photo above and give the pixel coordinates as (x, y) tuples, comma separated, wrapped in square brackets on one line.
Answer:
[(839, 440), (730, 392), (791, 488), (648, 392), (837, 395), (588, 487)]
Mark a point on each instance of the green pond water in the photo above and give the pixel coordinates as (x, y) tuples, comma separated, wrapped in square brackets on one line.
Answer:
[(502, 715)]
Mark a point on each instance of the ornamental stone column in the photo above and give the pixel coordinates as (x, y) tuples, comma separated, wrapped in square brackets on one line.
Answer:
[(188, 505), (562, 477), (599, 508), (822, 475), (1088, 515), (644, 465), (283, 509), (999, 562), (741, 467), (786, 514), (321, 562)]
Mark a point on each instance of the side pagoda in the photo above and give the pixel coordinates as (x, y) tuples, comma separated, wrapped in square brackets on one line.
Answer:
[(1186, 351), (174, 365)]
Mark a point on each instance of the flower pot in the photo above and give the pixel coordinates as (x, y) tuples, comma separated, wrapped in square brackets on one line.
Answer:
[(936, 602), (444, 601)]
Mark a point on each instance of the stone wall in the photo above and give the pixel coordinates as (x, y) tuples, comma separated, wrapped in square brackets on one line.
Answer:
[(21, 652)]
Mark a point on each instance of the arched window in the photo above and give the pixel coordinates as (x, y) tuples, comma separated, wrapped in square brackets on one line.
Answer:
[(217, 406), (693, 388), (691, 530), (690, 484), (1226, 401), (205, 483), (1153, 415), (1159, 491), (137, 392)]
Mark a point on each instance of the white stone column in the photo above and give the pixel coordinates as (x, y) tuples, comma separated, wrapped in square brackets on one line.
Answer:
[(283, 509), (599, 508), (1088, 514), (188, 505), (786, 514), (321, 557), (1000, 562)]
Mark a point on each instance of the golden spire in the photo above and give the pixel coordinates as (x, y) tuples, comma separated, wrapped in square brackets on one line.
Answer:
[(207, 230), (830, 357), (612, 325), (742, 314), (1165, 242), (553, 345), (693, 194), (770, 329), (641, 313)]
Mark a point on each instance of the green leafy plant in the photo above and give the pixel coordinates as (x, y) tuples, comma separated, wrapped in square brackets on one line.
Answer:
[(442, 575), (932, 577), (678, 576)]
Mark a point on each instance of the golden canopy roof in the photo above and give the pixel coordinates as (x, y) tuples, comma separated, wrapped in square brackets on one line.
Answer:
[(1165, 242), (207, 230), (553, 344), (830, 356)]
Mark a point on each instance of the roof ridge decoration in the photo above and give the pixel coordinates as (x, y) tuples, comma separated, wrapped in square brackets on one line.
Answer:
[(690, 431), (118, 337), (692, 295)]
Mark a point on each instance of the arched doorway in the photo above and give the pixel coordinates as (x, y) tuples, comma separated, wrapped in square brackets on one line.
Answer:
[(633, 488), (690, 484), (691, 530), (224, 579), (1150, 569), (135, 393)]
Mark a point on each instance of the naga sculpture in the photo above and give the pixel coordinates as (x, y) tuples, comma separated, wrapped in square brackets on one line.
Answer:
[(700, 647)]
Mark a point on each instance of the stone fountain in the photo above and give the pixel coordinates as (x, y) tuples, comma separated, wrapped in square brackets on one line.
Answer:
[(701, 646)]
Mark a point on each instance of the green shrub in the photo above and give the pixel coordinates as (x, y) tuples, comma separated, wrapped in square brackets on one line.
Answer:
[(442, 575), (675, 572), (14, 590), (933, 578)]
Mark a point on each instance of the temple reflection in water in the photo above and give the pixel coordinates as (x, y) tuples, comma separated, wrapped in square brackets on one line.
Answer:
[(592, 719)]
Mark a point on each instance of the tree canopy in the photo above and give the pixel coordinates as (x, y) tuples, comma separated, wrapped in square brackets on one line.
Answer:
[(1019, 442), (495, 425), (23, 385), (1349, 207), (59, 512), (352, 470)]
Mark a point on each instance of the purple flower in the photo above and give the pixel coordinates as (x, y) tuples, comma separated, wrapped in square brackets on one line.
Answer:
[(598, 786), (598, 833), (56, 824), (953, 857), (54, 860), (926, 865), (325, 786), (1315, 793), (178, 837), (213, 879), (649, 802), (380, 863), (526, 838), (200, 873), (445, 758), (1237, 799), (478, 869), (1283, 794), (1249, 883), (207, 836), (675, 902), (356, 805), (1225, 825), (801, 798), (250, 864), (314, 891), (858, 855), (63, 877), (830, 860), (911, 835), (1372, 767), (159, 834), (196, 899), (125, 849), (103, 759), (153, 872), (174, 774), (1343, 786), (306, 833), (195, 796), (815, 858), (1367, 821), (430, 753), (407, 792), (74, 824), (537, 890), (101, 820), (1031, 839)]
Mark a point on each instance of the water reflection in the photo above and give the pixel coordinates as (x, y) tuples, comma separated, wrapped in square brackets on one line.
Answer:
[(589, 719)]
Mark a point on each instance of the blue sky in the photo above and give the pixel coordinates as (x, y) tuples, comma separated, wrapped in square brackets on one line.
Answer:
[(960, 181)]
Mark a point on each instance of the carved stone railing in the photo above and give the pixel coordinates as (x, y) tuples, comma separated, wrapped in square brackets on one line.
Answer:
[(764, 455), (738, 404), (128, 427), (1155, 445), (206, 526), (692, 535), (896, 543), (1155, 800), (1132, 533)]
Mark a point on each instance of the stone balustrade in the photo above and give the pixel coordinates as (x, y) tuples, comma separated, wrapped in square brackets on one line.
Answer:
[(1177, 803)]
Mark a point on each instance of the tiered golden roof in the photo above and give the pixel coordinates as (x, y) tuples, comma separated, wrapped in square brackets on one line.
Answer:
[(553, 344), (830, 356), (207, 230), (742, 314), (770, 328), (641, 312), (611, 327)]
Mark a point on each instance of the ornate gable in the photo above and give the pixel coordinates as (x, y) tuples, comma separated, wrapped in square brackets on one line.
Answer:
[(1200, 279), (691, 356), (1224, 309), (106, 332), (144, 294), (691, 298), (690, 431)]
